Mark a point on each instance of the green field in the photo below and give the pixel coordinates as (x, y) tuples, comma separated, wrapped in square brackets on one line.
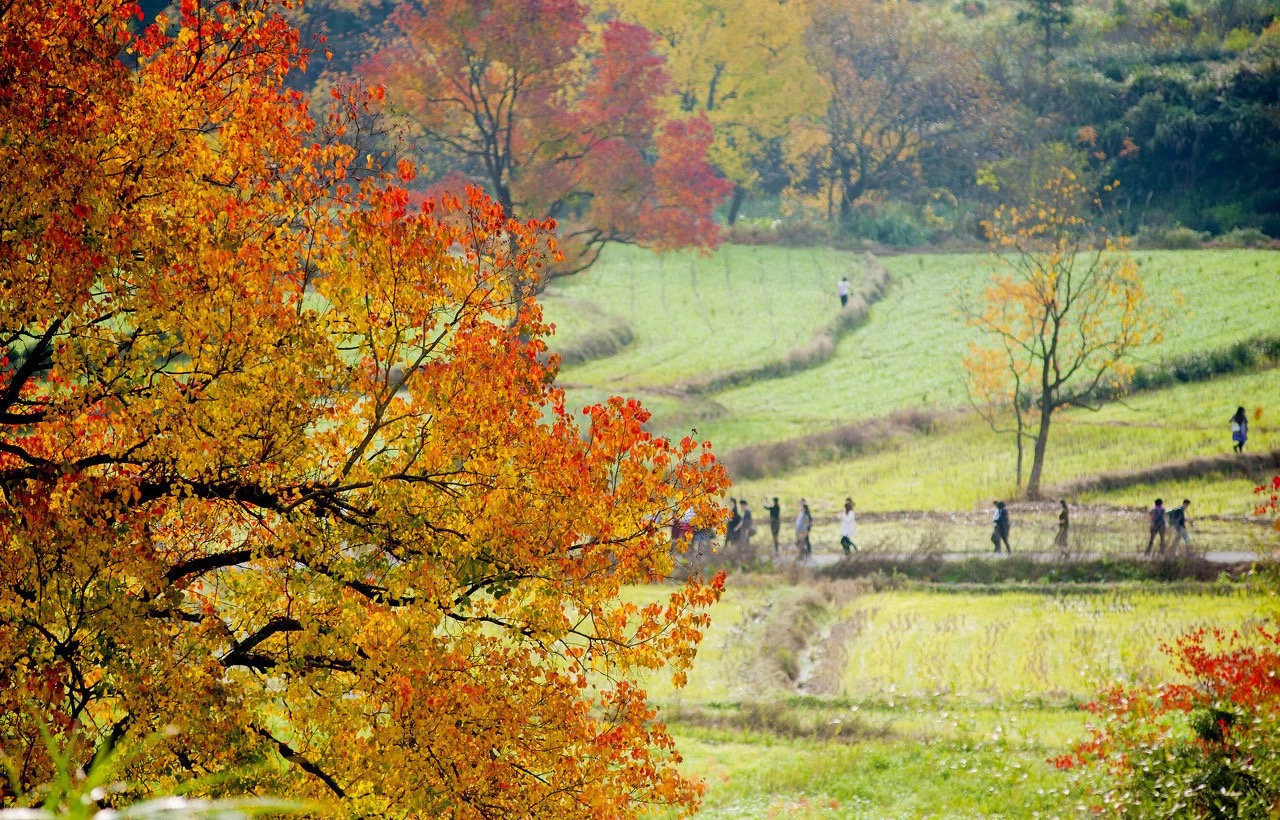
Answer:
[(744, 305), (909, 354), (826, 699), (695, 314), (965, 464)]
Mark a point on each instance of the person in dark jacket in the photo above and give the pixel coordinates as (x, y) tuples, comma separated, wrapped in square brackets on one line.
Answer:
[(735, 521), (746, 526), (804, 523), (1000, 528), (1156, 520), (1178, 523), (775, 520)]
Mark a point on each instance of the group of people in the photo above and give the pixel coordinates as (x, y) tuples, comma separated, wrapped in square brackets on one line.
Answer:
[(1162, 520), (742, 525)]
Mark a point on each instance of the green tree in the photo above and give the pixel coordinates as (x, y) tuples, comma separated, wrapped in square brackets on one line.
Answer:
[(1047, 16)]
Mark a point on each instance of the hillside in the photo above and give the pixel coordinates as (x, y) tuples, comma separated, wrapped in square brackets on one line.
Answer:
[(906, 357)]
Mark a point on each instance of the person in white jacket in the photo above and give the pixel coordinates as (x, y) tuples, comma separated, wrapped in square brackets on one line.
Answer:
[(848, 527)]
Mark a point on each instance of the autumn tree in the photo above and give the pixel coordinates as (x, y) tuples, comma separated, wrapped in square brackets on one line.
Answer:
[(555, 119), (1060, 320), (286, 485), (743, 65), (894, 85)]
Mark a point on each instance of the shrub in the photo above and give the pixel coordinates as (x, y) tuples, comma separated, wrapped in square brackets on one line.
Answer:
[(1244, 238), (893, 224), (1208, 748), (1176, 238)]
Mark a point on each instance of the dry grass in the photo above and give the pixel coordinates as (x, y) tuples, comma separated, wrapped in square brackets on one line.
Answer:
[(859, 438)]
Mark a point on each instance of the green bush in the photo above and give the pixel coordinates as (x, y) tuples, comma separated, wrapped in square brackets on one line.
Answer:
[(894, 224), (1244, 238), (1176, 238)]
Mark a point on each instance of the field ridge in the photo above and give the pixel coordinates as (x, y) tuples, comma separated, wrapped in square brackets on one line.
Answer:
[(610, 335), (1247, 464), (771, 458)]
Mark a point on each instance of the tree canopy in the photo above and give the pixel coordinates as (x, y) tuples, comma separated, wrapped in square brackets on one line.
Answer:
[(284, 475), (555, 119)]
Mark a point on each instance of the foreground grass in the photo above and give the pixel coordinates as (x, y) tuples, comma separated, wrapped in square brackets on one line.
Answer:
[(759, 777), (945, 704)]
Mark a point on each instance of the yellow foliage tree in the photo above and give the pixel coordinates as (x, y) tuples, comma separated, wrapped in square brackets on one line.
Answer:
[(742, 64), (285, 478), (1060, 320)]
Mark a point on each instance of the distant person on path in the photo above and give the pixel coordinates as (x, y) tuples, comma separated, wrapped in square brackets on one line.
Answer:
[(804, 522), (1239, 430), (745, 527), (1000, 528), (1156, 519), (842, 290), (848, 527), (1060, 540), (1178, 521), (735, 521), (775, 521)]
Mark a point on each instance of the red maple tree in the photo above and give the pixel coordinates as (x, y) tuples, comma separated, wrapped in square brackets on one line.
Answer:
[(554, 119)]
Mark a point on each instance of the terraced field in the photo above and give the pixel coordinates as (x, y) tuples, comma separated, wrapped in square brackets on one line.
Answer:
[(745, 305), (827, 699)]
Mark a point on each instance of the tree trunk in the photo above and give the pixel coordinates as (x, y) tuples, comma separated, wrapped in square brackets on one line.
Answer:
[(735, 204), (1018, 412), (1037, 458)]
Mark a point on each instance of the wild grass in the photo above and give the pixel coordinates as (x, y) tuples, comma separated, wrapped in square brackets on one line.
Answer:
[(944, 704)]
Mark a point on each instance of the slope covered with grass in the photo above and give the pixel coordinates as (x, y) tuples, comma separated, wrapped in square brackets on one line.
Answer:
[(909, 354), (696, 314), (964, 464)]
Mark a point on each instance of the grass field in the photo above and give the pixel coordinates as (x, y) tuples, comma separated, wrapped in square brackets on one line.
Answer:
[(695, 314), (909, 354), (744, 305), (911, 703), (965, 464)]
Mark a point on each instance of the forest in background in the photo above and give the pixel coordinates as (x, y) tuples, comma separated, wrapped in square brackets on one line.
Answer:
[(904, 123)]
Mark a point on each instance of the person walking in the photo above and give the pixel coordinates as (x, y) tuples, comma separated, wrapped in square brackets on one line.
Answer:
[(1178, 521), (775, 521), (1000, 528), (1239, 430), (804, 522), (1156, 520), (842, 290), (1060, 540), (848, 527), (745, 526), (735, 521)]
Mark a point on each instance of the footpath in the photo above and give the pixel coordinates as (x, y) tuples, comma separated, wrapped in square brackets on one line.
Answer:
[(825, 559)]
